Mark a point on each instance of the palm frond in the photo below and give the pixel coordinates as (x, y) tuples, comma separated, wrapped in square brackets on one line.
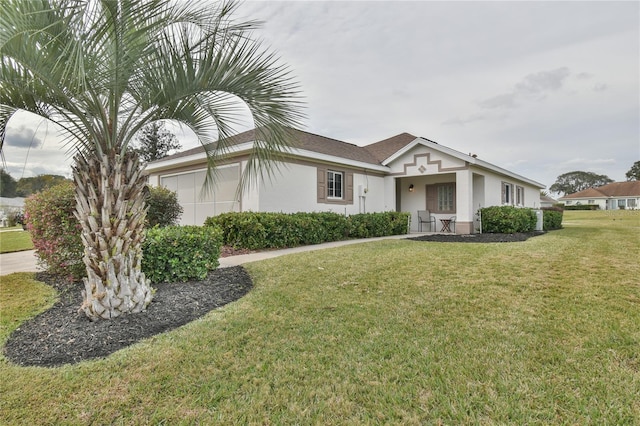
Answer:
[(102, 69)]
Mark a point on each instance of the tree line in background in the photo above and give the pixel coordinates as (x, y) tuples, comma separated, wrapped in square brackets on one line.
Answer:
[(152, 143), (24, 187)]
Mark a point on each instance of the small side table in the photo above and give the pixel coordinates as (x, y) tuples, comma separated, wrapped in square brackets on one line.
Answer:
[(446, 225)]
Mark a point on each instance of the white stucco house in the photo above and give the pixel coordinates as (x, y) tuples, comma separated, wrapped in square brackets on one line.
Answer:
[(8, 206), (319, 174), (613, 196)]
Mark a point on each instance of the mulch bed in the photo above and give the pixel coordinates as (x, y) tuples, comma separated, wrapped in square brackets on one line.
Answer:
[(477, 238), (62, 335)]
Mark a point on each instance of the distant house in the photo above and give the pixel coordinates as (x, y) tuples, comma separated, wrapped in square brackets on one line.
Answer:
[(546, 201), (402, 173), (613, 196), (8, 206)]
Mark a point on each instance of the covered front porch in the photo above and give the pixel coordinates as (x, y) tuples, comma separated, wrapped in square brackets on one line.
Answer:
[(451, 200)]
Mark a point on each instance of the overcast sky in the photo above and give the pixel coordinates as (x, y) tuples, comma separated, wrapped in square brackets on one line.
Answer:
[(539, 88)]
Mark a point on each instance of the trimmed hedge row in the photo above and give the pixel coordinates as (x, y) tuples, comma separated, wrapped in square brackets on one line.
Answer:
[(509, 220), (583, 207), (278, 230), (370, 225)]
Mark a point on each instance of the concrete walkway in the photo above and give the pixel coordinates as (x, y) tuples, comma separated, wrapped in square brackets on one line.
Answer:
[(26, 261), (253, 257), (19, 261)]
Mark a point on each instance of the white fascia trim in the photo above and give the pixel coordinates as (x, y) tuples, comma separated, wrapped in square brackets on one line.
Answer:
[(464, 157), (505, 172), (248, 146), (195, 158)]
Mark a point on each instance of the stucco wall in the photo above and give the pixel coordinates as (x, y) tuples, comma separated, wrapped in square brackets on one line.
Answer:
[(295, 190), (292, 189)]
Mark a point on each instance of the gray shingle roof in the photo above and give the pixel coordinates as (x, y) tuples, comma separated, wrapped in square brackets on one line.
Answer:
[(387, 147), (372, 154)]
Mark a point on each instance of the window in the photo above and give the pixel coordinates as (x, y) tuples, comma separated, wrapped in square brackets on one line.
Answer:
[(622, 203), (334, 184), (446, 198), (507, 193), (441, 198), (631, 203), (591, 202), (519, 196)]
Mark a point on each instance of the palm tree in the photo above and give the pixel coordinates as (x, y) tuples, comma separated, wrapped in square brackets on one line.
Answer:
[(103, 69)]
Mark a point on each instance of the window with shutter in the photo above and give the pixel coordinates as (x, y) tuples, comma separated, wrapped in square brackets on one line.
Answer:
[(441, 198), (334, 186)]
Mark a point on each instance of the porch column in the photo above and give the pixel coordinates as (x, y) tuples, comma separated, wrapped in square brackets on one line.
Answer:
[(464, 202)]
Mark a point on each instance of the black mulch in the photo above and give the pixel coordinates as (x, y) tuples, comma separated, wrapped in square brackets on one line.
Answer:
[(477, 238), (62, 335)]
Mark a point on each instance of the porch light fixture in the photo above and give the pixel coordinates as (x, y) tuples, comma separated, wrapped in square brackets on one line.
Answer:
[(411, 188)]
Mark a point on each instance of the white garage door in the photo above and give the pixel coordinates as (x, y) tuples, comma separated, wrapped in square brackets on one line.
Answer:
[(199, 204)]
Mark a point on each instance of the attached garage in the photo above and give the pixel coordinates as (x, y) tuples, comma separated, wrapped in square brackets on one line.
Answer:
[(199, 204)]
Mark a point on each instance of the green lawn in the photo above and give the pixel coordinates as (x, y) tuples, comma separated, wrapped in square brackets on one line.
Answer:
[(545, 331), (11, 241)]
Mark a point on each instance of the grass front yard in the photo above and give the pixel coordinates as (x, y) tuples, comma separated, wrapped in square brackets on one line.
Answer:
[(12, 240), (545, 331)]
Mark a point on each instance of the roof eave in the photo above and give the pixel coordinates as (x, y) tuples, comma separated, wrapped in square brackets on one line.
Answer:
[(164, 164), (199, 157)]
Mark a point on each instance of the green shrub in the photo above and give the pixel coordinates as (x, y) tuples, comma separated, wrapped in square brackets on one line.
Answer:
[(180, 253), (15, 217), (507, 219), (164, 208), (552, 218), (369, 225), (583, 207), (277, 230), (55, 231), (330, 226)]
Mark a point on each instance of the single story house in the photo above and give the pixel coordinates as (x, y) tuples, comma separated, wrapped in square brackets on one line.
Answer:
[(612, 196), (546, 201), (9, 206), (319, 174)]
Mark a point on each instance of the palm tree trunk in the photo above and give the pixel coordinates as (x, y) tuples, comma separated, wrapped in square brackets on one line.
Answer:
[(111, 210)]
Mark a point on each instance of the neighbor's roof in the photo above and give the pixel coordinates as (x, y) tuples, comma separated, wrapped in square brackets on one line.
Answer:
[(615, 189)]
